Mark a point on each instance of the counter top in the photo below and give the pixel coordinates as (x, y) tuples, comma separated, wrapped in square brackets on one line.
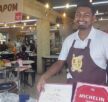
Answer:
[(51, 56)]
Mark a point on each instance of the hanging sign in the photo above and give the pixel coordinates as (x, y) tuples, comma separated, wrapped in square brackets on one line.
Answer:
[(10, 10), (90, 93), (18, 16)]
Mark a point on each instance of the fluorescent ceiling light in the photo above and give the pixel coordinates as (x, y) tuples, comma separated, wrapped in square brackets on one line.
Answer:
[(97, 14), (74, 5), (101, 2), (61, 7)]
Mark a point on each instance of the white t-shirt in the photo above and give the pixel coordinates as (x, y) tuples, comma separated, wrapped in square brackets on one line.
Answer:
[(98, 46)]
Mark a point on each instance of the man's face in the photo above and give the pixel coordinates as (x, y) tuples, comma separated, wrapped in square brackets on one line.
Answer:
[(84, 18)]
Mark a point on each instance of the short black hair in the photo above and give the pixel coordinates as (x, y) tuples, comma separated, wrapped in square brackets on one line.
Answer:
[(86, 3)]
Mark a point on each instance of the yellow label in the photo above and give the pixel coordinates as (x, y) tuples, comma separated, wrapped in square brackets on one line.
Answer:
[(76, 63)]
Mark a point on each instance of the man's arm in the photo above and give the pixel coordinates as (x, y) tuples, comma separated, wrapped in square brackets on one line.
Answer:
[(56, 67)]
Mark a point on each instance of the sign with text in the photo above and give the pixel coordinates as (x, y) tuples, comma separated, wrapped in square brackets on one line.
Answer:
[(18, 16), (90, 93), (9, 9), (56, 93)]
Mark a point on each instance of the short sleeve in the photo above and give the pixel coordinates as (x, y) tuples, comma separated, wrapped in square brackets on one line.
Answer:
[(64, 51), (106, 46)]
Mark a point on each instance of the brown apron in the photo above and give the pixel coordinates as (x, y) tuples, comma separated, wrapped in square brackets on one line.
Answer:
[(82, 67)]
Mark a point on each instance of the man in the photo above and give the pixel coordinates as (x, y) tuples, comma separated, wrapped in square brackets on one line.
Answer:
[(85, 51), (10, 45), (4, 47), (22, 54)]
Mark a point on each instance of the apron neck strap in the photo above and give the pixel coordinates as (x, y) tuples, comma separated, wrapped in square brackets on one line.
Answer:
[(73, 43), (89, 40)]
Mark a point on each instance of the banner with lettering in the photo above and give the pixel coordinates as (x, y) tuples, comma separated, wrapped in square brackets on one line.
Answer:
[(10, 10), (90, 93)]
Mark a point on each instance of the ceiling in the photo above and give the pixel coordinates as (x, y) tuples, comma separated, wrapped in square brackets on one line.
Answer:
[(102, 8)]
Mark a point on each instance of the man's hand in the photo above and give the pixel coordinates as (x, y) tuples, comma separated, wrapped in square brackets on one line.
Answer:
[(40, 84), (56, 67)]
